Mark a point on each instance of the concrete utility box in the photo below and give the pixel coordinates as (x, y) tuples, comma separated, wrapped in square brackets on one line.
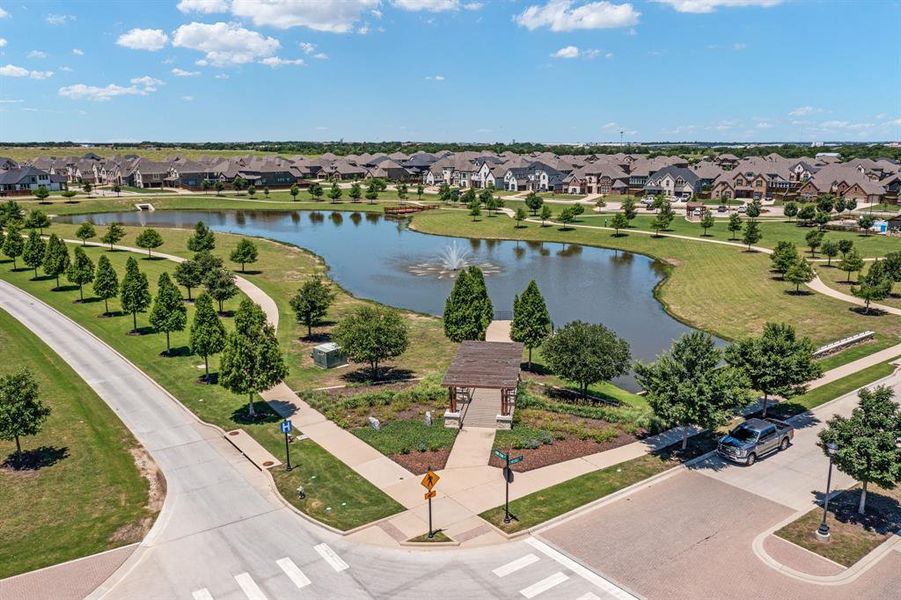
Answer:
[(328, 356)]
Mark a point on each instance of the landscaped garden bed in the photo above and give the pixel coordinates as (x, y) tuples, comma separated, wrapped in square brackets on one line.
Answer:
[(402, 433)]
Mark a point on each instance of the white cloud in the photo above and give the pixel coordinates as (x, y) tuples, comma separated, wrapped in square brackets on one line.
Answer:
[(764, 125), (80, 91), (562, 15), (708, 6), (59, 19), (609, 55), (320, 56), (77, 51), (11, 101), (3, 42), (473, 6), (307, 47), (144, 39), (610, 125), (3, 14), (566, 52), (225, 43), (222, 76), (435, 78), (182, 73), (275, 61), (188, 98), (37, 54), (65, 69), (202, 6), (336, 16), (803, 111), (739, 46), (14, 71), (148, 83), (431, 5)]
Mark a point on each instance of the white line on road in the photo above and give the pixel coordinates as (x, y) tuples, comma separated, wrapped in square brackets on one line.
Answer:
[(331, 557), (250, 587), (544, 585), (516, 565), (293, 572), (580, 570), (202, 594)]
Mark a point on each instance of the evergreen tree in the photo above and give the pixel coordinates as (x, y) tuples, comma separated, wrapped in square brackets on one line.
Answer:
[(800, 272), (13, 244), (531, 321), (776, 362), (21, 410), (867, 441), (734, 225), (245, 253), (468, 310), (114, 233), (202, 240), (251, 359), (80, 271), (169, 312), (33, 253), (56, 258), (106, 282), (207, 332), (149, 239), (372, 334), (134, 292), (311, 303), (85, 232), (220, 285), (686, 386)]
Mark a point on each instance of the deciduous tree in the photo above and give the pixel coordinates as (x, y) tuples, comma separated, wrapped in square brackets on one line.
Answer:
[(207, 332), (586, 353), (106, 282), (33, 253), (220, 284), (311, 303), (80, 271), (203, 239), (149, 239), (851, 263), (800, 272), (37, 219), (783, 257), (169, 312), (56, 258), (114, 233), (735, 225), (752, 234), (372, 334), (85, 232), (134, 292), (13, 245), (244, 253), (22, 412), (876, 285), (707, 221)]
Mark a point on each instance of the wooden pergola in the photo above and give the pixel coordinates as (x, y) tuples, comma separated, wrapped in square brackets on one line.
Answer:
[(487, 365)]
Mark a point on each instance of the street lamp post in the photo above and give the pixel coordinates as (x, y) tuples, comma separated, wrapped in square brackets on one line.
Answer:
[(823, 530)]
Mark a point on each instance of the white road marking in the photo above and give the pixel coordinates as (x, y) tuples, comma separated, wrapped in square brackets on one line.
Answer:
[(202, 594), (250, 587), (331, 557), (588, 596), (580, 570), (516, 565), (293, 572), (544, 585)]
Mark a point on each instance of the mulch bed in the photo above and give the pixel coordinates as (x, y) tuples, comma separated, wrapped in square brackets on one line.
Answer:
[(549, 454), (418, 463)]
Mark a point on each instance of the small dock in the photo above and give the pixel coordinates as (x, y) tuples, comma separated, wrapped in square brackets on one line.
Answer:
[(407, 209)]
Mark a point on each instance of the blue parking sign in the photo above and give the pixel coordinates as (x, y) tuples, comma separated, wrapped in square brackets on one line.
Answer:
[(286, 426)]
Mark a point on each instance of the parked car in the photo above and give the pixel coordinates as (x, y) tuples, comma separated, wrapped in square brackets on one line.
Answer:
[(722, 208), (742, 209), (754, 438)]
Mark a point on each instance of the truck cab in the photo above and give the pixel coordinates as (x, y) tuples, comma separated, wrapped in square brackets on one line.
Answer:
[(755, 438)]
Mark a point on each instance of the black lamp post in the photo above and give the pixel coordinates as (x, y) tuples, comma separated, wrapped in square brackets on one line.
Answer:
[(823, 529)]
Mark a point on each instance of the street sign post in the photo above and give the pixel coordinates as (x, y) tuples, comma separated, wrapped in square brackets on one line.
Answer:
[(508, 478), (428, 482), (286, 427)]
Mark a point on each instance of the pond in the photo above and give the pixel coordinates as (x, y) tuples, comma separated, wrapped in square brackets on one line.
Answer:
[(384, 260)]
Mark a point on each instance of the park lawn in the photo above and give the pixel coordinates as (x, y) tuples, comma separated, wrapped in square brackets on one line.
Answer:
[(93, 497), (852, 353), (852, 536), (538, 507), (23, 153), (832, 390), (336, 496), (838, 279), (720, 289)]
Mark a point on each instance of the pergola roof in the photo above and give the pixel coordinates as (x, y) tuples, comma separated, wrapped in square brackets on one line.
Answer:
[(485, 365)]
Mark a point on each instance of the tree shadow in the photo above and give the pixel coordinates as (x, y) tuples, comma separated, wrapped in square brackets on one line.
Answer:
[(264, 414), (91, 300), (251, 272), (211, 379), (882, 516), (147, 330), (383, 375), (226, 313), (316, 338), (282, 407), (66, 288), (799, 292), (176, 352), (154, 258), (864, 312), (111, 314), (36, 458)]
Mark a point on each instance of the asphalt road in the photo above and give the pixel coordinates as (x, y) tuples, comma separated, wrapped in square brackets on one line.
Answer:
[(223, 533)]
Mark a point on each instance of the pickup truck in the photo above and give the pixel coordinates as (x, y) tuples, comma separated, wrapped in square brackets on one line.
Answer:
[(754, 438)]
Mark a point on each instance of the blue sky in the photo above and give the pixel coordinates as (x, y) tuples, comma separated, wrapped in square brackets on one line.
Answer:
[(450, 70)]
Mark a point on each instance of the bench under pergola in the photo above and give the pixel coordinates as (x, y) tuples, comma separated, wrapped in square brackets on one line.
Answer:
[(486, 366)]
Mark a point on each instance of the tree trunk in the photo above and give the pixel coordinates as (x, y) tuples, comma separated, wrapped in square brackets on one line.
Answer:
[(57, 282), (250, 409), (309, 329), (18, 446), (684, 437), (206, 368), (861, 508), (134, 321), (81, 292), (242, 267), (765, 397), (530, 358), (168, 347), (189, 294), (35, 272), (105, 306), (220, 306)]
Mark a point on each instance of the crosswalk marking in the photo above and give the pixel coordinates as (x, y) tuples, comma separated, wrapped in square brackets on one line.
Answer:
[(202, 594), (544, 585), (516, 565), (331, 557), (250, 587), (293, 572), (588, 596), (580, 570)]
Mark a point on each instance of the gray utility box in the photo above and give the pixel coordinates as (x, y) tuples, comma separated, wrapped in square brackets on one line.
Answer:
[(328, 356)]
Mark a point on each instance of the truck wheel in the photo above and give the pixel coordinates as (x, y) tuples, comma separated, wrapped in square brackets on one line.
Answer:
[(784, 444), (752, 458)]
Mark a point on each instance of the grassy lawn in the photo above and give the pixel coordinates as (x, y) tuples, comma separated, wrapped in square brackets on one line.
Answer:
[(832, 390), (406, 436), (853, 536), (23, 153), (558, 499), (857, 351), (716, 288), (838, 279), (336, 495), (87, 495)]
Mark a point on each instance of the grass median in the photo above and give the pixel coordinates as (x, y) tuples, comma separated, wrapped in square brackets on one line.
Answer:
[(80, 491)]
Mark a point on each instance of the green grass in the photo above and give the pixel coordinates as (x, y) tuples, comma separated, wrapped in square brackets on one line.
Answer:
[(405, 436), (521, 437), (720, 289), (838, 279), (437, 536), (92, 499), (833, 390), (857, 351), (336, 495), (559, 499)]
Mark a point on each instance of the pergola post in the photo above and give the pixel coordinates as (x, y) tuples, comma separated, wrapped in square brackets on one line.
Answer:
[(452, 397)]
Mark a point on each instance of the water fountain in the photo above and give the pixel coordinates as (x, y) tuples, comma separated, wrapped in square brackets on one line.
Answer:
[(451, 260)]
